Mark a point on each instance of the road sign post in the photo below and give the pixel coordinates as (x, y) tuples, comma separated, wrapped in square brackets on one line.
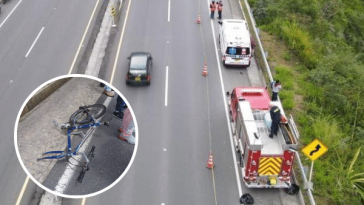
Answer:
[(309, 179), (313, 151), (113, 16)]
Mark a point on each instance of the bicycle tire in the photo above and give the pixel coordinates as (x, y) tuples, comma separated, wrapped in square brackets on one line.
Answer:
[(79, 117)]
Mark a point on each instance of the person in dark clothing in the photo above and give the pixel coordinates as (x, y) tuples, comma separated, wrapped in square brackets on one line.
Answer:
[(275, 114), (118, 113)]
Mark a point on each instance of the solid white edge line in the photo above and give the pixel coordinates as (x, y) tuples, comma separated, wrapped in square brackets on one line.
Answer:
[(120, 43), (83, 202), (10, 13), (83, 38), (226, 111), (242, 11), (166, 90), (35, 41), (169, 10), (22, 191)]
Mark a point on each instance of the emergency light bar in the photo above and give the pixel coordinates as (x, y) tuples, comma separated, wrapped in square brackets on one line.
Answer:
[(252, 90)]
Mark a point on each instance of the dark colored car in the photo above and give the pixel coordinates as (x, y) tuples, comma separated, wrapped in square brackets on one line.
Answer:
[(140, 64)]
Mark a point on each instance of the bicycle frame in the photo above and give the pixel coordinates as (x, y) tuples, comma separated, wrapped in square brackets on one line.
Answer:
[(69, 152)]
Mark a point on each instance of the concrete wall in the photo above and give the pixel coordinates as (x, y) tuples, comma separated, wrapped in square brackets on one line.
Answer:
[(42, 94)]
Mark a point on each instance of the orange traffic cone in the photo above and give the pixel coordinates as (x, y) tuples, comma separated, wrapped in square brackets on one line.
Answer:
[(198, 20), (204, 72), (210, 162)]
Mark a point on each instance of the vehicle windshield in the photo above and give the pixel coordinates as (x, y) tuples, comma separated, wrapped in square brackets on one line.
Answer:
[(138, 62), (237, 51)]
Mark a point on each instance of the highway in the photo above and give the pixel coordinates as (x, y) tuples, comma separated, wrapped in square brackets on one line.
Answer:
[(181, 115)]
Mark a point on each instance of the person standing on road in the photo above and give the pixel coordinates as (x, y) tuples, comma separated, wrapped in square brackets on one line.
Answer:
[(276, 87), (219, 9), (275, 114), (118, 113), (253, 44), (127, 128), (212, 9)]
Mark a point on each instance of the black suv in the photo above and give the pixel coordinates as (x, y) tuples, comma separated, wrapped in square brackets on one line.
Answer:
[(140, 64)]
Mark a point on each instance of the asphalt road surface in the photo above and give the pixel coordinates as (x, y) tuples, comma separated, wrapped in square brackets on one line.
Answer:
[(180, 122), (58, 27)]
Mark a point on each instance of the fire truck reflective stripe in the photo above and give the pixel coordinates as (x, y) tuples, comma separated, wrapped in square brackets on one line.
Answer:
[(265, 161), (269, 165)]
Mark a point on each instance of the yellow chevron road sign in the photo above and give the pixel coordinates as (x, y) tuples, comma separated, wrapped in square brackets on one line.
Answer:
[(315, 149), (269, 165)]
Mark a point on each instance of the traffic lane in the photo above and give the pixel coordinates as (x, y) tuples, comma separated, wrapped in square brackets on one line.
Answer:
[(189, 143), (227, 184), (55, 48), (16, 40), (189, 133), (144, 178), (191, 93), (12, 173), (232, 76), (187, 180), (225, 173), (31, 194), (24, 23)]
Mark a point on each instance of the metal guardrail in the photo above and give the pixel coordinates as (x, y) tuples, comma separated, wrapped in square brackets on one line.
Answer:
[(259, 43)]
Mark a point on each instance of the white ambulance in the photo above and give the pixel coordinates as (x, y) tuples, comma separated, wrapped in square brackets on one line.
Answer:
[(234, 40)]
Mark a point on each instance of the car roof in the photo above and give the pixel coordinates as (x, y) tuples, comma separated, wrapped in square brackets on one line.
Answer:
[(139, 54)]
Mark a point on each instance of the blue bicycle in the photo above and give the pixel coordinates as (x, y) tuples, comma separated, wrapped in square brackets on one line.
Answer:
[(84, 117)]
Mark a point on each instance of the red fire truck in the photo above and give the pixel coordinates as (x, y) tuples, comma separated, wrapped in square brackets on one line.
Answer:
[(265, 162)]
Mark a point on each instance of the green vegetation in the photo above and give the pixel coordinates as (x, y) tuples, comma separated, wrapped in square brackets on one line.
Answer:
[(286, 95), (326, 39)]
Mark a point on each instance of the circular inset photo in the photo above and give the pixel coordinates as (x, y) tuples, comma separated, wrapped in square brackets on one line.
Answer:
[(76, 136)]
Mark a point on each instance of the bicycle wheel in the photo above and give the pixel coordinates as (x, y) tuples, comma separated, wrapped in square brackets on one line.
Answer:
[(81, 117)]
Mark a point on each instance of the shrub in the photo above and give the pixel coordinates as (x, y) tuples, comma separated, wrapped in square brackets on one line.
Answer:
[(299, 41), (287, 99), (287, 56)]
